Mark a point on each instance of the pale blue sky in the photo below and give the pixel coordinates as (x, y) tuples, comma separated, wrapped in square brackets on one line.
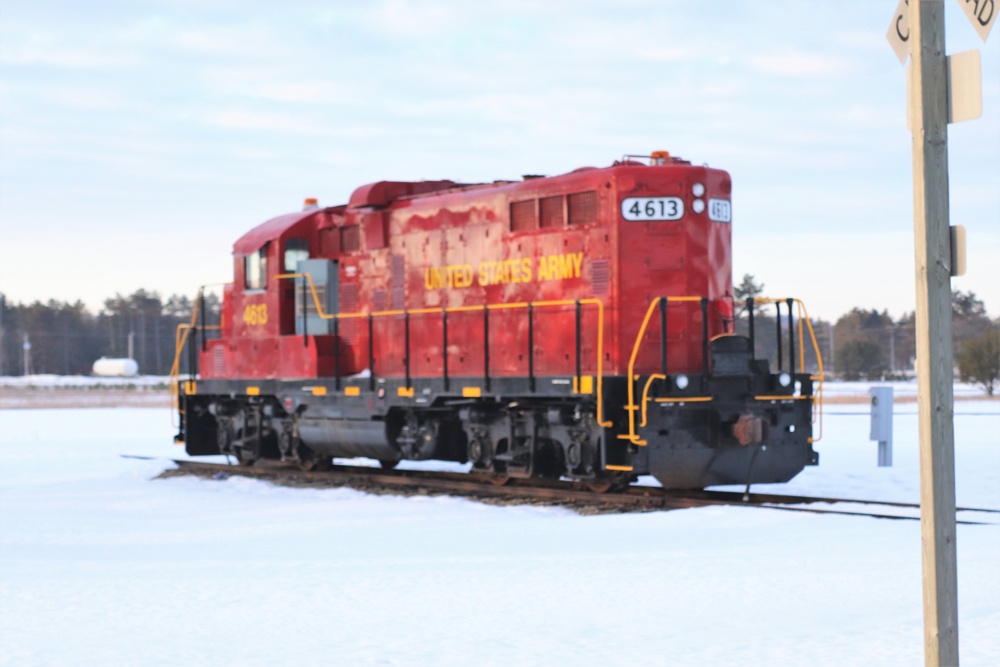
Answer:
[(139, 139)]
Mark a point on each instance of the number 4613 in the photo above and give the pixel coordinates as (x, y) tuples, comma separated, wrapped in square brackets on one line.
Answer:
[(255, 314)]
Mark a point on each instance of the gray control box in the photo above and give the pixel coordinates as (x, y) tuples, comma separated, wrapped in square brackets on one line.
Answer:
[(325, 279), (881, 430)]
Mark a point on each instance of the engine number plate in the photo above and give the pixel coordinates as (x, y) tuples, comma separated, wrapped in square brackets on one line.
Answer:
[(720, 210), (652, 208)]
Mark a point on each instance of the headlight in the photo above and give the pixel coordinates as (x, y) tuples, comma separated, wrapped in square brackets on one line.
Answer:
[(698, 189), (698, 205), (784, 379), (681, 381)]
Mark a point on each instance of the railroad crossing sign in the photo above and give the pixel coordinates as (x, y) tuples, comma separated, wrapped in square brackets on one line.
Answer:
[(964, 70), (899, 31), (982, 14)]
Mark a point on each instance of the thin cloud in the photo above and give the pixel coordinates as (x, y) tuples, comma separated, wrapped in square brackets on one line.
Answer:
[(796, 64)]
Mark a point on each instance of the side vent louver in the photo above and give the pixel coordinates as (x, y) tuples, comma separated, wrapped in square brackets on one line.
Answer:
[(600, 277)]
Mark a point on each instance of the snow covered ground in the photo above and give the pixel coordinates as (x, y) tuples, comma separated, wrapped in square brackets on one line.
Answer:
[(102, 565), (89, 381)]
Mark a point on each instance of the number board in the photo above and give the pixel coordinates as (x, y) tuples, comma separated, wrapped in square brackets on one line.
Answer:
[(720, 210), (652, 208)]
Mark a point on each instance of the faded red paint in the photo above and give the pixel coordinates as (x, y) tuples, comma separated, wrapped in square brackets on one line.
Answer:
[(457, 248)]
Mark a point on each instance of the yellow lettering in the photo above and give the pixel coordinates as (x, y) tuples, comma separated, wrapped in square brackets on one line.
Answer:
[(565, 267), (543, 269), (526, 269), (557, 267), (452, 276)]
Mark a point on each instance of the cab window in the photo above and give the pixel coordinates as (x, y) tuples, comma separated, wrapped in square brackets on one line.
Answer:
[(296, 250), (255, 269)]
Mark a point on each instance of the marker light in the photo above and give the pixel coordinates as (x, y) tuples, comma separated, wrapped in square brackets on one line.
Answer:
[(784, 379), (681, 381), (698, 205), (698, 189)]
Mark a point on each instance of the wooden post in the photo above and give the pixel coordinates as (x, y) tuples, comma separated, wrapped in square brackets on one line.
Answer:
[(932, 243)]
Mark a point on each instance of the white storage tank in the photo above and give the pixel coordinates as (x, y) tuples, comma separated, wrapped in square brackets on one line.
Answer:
[(110, 368)]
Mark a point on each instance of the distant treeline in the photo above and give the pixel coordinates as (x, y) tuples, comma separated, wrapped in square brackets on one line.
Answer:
[(66, 338)]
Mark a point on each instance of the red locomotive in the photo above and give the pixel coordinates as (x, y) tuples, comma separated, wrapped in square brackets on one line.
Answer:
[(574, 326)]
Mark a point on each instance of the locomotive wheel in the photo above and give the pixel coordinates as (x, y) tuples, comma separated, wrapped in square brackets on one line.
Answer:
[(245, 457), (307, 465), (316, 465), (388, 465), (600, 487), (309, 462), (499, 480)]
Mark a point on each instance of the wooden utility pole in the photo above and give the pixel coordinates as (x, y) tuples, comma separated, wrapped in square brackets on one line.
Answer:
[(928, 103)]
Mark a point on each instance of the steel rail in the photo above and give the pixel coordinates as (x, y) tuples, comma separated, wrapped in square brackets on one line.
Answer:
[(631, 498)]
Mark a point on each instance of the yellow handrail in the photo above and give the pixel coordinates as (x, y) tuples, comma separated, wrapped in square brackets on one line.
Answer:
[(632, 407), (179, 341), (633, 436), (817, 415), (493, 306)]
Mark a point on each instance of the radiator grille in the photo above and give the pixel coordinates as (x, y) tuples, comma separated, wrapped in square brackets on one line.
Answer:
[(523, 216), (398, 282), (551, 212), (349, 304), (350, 238), (582, 208), (218, 361)]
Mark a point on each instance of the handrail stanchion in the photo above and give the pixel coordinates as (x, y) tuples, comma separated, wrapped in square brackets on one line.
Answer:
[(406, 344), (704, 336), (305, 317), (201, 307), (336, 352), (193, 352), (663, 335), (444, 332), (753, 334), (777, 323), (371, 352), (791, 337), (531, 347), (486, 347), (578, 344)]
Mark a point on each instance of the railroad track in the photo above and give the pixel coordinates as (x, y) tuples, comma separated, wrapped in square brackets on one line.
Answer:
[(574, 495)]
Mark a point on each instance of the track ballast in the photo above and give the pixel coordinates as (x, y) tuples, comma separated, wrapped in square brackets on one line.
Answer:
[(571, 495)]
